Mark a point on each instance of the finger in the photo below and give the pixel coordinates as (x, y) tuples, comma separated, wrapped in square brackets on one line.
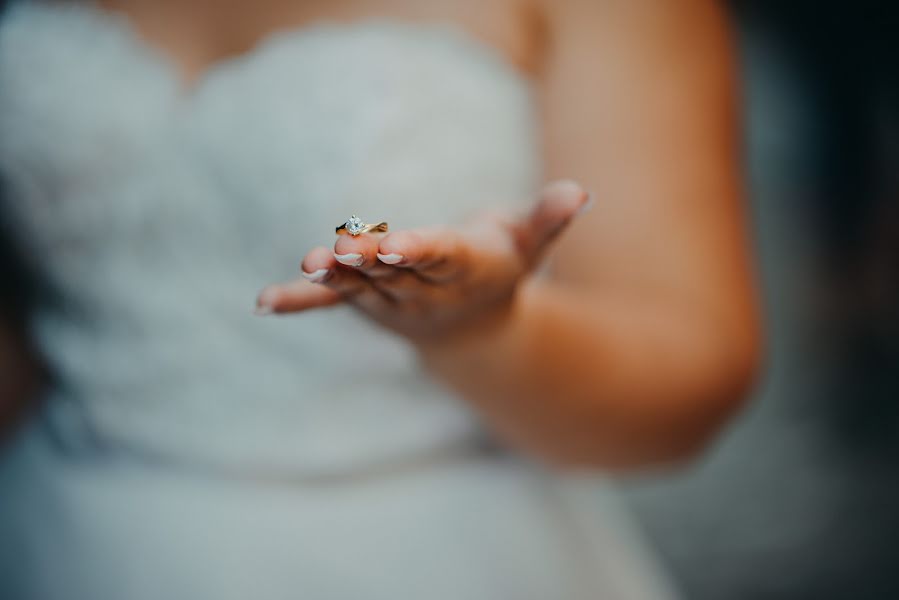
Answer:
[(560, 201), (403, 285), (437, 253), (322, 267), (356, 288), (294, 296), (318, 264), (360, 252)]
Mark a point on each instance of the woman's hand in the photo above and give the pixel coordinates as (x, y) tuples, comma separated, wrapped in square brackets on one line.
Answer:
[(430, 282)]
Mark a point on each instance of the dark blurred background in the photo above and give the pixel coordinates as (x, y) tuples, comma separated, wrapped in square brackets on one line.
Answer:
[(800, 498)]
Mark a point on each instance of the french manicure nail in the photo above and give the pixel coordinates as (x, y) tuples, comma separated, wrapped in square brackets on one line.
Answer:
[(586, 206), (390, 259), (350, 260), (562, 185), (315, 276), (266, 301)]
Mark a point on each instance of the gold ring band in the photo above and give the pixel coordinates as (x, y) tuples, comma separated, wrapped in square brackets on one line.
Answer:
[(355, 226)]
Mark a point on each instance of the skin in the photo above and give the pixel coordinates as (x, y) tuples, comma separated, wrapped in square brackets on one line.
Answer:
[(642, 337)]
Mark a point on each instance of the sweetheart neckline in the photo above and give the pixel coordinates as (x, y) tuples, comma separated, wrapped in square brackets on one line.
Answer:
[(451, 31)]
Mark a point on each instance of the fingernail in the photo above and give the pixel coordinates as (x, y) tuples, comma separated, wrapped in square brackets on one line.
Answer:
[(315, 276), (391, 259), (562, 185), (266, 301), (586, 206), (350, 260)]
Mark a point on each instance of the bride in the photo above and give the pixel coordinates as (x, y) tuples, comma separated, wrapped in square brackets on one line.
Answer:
[(422, 410)]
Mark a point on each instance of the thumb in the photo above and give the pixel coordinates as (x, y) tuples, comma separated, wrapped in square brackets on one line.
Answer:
[(560, 201)]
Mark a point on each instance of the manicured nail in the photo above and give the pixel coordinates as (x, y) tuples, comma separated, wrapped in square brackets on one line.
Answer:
[(350, 260), (266, 301), (391, 259), (316, 276), (562, 185), (586, 206)]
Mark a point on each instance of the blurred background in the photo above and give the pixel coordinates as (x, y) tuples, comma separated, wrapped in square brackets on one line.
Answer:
[(800, 498)]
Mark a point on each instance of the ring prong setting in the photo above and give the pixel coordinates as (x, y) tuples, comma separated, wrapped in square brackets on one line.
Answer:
[(354, 225)]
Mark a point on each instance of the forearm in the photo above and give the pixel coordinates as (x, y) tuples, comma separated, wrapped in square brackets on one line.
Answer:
[(592, 379)]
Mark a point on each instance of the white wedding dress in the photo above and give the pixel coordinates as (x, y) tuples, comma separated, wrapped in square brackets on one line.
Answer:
[(188, 449)]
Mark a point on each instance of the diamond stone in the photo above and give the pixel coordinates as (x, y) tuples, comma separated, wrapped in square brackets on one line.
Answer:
[(354, 225)]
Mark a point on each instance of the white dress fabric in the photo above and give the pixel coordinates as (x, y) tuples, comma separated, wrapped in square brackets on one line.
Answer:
[(189, 449)]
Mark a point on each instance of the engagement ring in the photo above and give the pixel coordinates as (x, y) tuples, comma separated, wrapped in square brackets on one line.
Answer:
[(355, 226)]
